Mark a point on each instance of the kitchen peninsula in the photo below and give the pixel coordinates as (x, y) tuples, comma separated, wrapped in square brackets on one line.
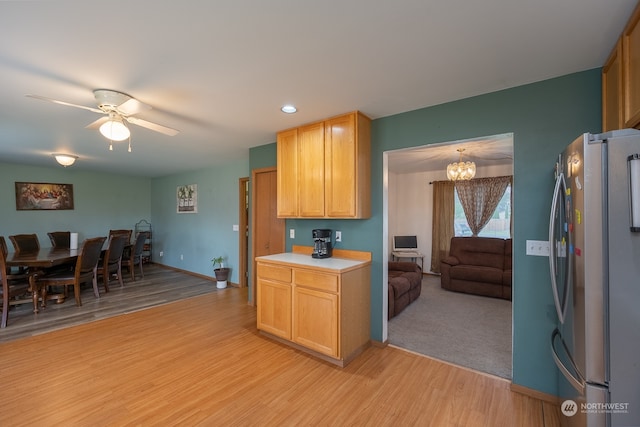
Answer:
[(320, 306)]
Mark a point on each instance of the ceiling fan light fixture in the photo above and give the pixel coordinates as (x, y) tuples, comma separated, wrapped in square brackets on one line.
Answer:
[(114, 129), (65, 159)]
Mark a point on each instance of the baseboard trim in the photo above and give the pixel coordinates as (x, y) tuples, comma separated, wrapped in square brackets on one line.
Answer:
[(191, 273), (546, 397), (379, 344)]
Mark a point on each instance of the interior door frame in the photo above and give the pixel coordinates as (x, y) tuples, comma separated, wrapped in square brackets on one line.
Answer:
[(243, 231)]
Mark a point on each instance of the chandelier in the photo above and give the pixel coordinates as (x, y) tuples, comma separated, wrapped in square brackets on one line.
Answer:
[(461, 170)]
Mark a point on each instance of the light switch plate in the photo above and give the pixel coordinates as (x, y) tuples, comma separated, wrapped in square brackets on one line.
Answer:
[(538, 248), (292, 233)]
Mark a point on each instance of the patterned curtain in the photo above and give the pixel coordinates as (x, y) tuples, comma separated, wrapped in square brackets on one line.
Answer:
[(480, 197), (443, 216)]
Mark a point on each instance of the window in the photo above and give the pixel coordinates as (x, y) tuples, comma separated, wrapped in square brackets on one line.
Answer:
[(499, 225)]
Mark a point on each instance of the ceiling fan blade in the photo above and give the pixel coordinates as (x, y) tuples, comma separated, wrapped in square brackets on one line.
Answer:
[(132, 106), (97, 123), (55, 101), (155, 127)]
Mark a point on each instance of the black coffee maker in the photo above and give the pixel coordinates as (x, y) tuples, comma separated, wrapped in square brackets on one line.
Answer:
[(321, 243)]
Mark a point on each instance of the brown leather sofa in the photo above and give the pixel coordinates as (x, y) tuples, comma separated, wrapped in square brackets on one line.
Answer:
[(478, 265), (405, 285)]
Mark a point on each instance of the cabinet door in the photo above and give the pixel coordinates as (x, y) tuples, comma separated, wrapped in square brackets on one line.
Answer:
[(274, 307), (612, 95), (311, 170), (287, 158), (340, 167), (315, 321), (631, 70)]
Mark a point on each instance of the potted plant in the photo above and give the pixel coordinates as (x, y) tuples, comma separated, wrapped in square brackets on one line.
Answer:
[(222, 272)]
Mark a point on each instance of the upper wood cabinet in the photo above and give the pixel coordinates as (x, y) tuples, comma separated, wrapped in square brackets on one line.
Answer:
[(621, 79), (612, 94), (631, 70), (324, 169), (287, 173)]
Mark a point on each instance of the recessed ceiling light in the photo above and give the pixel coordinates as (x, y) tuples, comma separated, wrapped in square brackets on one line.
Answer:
[(289, 109)]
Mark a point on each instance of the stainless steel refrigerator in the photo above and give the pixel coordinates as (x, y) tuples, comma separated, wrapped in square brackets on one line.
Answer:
[(594, 259)]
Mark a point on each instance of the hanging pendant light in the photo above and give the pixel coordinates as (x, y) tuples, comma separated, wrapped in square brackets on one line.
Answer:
[(461, 170)]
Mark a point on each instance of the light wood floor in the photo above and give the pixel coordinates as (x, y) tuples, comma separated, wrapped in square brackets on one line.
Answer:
[(200, 361)]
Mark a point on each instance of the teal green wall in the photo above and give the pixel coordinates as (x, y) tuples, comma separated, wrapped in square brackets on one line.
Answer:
[(101, 202), (201, 236), (543, 117)]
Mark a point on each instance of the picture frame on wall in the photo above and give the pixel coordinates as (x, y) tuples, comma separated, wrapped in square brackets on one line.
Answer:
[(187, 198), (43, 196)]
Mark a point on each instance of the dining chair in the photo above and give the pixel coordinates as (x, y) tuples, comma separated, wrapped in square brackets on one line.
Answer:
[(5, 251), (111, 262), (25, 242), (60, 239), (85, 271), (135, 255), (126, 233), (14, 287)]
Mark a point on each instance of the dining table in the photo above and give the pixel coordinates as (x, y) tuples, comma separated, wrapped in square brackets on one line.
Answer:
[(36, 263)]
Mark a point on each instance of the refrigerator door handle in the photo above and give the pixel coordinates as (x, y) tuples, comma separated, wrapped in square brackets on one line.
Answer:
[(575, 380), (560, 306)]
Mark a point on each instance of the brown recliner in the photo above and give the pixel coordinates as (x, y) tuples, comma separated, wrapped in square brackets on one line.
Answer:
[(405, 285), (478, 265)]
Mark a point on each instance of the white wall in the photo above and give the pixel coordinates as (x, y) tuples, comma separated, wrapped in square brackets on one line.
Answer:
[(411, 201)]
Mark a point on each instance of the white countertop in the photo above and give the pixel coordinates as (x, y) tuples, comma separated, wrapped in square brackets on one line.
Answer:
[(333, 263)]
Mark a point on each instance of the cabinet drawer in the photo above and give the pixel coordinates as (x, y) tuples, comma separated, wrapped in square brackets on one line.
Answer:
[(315, 280), (273, 272)]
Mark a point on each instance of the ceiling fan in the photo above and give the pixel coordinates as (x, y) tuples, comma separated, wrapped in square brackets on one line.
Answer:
[(118, 108)]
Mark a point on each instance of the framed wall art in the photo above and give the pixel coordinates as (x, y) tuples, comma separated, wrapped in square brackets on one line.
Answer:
[(187, 198), (36, 196)]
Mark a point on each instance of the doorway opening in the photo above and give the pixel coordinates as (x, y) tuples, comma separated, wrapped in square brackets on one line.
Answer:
[(407, 210)]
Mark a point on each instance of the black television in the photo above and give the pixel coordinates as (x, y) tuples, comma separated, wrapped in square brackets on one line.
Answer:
[(405, 243)]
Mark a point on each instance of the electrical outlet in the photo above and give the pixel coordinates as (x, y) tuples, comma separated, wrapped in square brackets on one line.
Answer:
[(292, 233), (538, 247), (161, 254), (181, 257), (338, 236)]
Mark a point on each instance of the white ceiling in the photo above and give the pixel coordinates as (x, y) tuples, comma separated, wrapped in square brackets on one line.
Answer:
[(489, 151), (219, 71)]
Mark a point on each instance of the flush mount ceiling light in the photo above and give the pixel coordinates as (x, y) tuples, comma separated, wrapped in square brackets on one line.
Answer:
[(114, 129), (461, 170), (289, 109), (65, 159)]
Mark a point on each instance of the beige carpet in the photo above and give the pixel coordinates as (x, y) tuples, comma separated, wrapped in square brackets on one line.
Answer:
[(466, 330)]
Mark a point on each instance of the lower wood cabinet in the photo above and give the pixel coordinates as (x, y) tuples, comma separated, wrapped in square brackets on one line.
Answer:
[(319, 306)]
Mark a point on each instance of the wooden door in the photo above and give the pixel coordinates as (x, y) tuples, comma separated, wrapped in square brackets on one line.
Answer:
[(267, 229)]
